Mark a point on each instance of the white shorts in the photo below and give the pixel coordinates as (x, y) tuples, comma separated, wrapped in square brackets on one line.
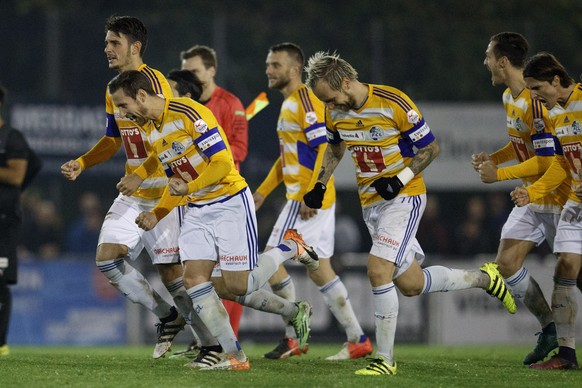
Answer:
[(161, 243), (224, 232), (526, 224), (317, 232), (392, 226), (569, 233)]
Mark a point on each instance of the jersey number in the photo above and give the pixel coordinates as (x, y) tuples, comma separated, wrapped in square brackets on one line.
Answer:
[(370, 159)]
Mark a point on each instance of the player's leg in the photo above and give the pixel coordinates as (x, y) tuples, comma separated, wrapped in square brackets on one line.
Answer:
[(9, 237), (198, 250)]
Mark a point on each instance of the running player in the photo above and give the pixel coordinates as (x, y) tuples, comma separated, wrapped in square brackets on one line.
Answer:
[(390, 145), (230, 113), (302, 141), (550, 83), (220, 226), (531, 144), (120, 239)]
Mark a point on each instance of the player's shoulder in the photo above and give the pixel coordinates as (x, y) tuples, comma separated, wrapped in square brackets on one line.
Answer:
[(226, 96)]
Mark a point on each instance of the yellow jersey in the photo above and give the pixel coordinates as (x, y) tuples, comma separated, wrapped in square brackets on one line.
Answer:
[(567, 120), (532, 141), (302, 143), (381, 136), (137, 149), (187, 141)]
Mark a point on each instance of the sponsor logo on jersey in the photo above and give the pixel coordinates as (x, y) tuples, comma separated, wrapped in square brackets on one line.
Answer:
[(566, 120), (516, 139), (385, 240), (539, 124), (179, 162), (571, 147), (131, 131), (166, 250), (351, 135), (366, 149), (311, 118), (413, 116), (164, 143), (200, 126), (178, 147), (226, 259), (359, 124)]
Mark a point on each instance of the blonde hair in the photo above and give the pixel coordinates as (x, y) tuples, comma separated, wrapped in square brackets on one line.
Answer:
[(329, 68)]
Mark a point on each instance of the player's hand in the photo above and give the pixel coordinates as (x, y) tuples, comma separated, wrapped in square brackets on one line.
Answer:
[(178, 187), (129, 184), (314, 198), (477, 159), (305, 212), (71, 170), (519, 196), (487, 172), (388, 188), (146, 220), (259, 199)]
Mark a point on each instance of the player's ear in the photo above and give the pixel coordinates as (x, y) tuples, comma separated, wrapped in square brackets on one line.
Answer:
[(135, 47), (141, 96)]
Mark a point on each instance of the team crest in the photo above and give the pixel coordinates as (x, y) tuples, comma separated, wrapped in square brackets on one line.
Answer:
[(413, 116), (311, 118), (376, 133), (575, 127), (178, 147), (539, 125), (200, 126), (518, 124)]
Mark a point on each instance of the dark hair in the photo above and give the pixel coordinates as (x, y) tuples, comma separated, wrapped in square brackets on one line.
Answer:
[(293, 50), (207, 54), (512, 45), (131, 81), (131, 27), (186, 82), (544, 67)]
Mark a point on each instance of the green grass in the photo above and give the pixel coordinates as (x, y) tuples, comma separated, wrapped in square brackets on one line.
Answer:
[(418, 366)]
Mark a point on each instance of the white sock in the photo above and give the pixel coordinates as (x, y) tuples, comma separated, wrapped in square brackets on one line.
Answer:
[(266, 301), (335, 295), (184, 305), (442, 279), (526, 289), (386, 315), (209, 308), (564, 311), (268, 263), (134, 286), (286, 290)]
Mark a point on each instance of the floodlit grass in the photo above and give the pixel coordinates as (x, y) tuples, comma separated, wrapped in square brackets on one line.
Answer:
[(418, 366)]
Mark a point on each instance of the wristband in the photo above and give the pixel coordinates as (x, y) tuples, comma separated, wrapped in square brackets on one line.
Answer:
[(405, 176)]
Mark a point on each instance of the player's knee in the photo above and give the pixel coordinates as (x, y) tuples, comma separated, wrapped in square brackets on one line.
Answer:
[(506, 267), (237, 288), (410, 290)]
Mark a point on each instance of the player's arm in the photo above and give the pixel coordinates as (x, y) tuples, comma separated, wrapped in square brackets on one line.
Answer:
[(239, 133), (16, 162), (129, 184), (552, 178), (102, 151), (148, 220), (271, 181)]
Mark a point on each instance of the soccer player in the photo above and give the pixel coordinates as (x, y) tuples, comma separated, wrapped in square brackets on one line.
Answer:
[(302, 141), (390, 145), (120, 238), (230, 113), (531, 144), (550, 83), (220, 225)]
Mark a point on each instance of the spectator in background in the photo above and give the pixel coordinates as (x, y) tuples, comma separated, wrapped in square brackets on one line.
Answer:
[(83, 232), (434, 236), (42, 230), (472, 236)]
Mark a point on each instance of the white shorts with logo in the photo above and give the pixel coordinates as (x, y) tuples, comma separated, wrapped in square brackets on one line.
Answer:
[(224, 232), (161, 243), (317, 231), (526, 224), (569, 234), (393, 226)]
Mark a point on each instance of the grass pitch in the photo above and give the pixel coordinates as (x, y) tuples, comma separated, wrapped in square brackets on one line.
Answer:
[(418, 366)]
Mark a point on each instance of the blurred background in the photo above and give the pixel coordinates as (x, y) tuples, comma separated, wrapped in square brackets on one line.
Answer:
[(53, 66)]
